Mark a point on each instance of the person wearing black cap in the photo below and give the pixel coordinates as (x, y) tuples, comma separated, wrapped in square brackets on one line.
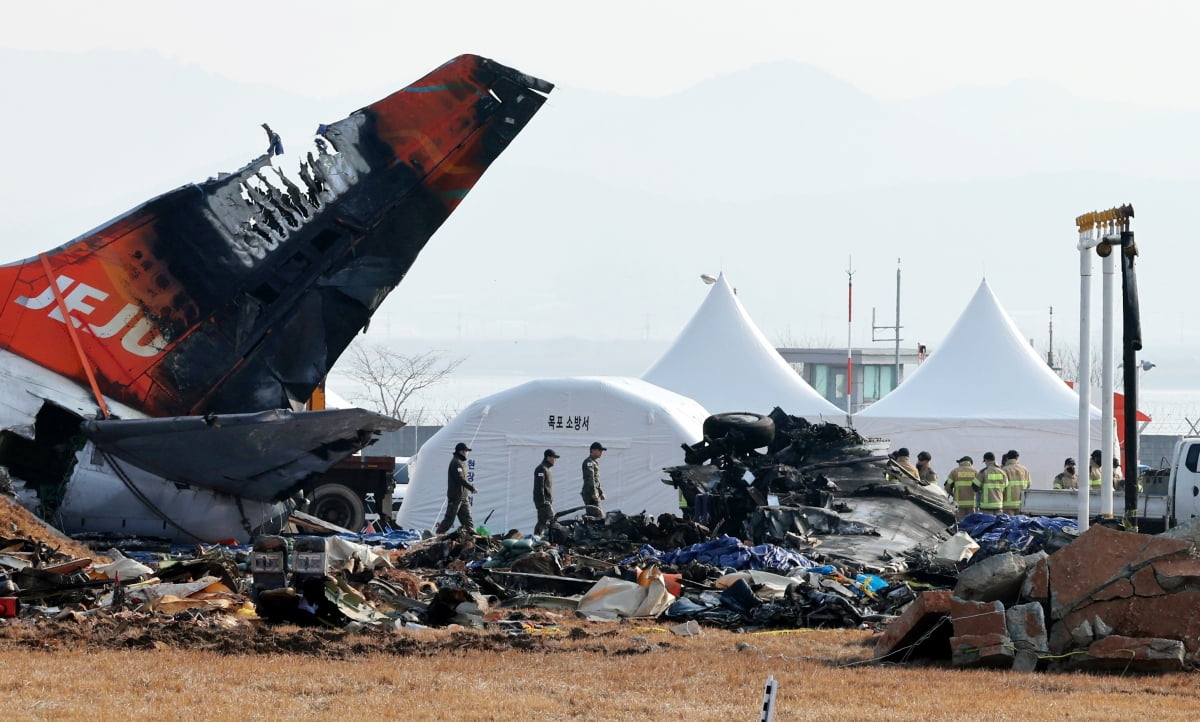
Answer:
[(543, 492), (458, 504), (991, 482), (1018, 482), (960, 484), (592, 493), (1067, 479), (925, 468)]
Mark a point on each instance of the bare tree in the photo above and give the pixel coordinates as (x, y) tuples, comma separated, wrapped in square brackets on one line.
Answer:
[(1067, 365), (387, 379), (787, 339)]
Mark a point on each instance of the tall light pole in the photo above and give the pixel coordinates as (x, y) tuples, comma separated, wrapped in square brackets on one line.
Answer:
[(1105, 231), (895, 329), (1083, 386)]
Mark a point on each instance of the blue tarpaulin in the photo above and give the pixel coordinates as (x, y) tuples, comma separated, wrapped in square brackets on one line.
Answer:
[(998, 533), (727, 553)]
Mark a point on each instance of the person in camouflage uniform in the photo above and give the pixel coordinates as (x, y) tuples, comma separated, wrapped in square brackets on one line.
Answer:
[(543, 492), (458, 504), (592, 492)]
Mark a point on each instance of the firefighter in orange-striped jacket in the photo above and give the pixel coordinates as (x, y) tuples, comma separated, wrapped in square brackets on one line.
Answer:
[(960, 484), (1018, 482), (991, 481)]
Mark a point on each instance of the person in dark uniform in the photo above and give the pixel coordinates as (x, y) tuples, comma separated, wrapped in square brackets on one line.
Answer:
[(543, 492), (458, 504), (593, 493)]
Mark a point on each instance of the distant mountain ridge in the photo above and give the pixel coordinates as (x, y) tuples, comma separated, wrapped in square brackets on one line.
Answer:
[(598, 221)]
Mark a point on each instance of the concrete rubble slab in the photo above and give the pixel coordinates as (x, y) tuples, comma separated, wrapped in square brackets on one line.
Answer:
[(1171, 616), (1130, 654), (1188, 531), (1036, 587), (997, 578), (921, 632), (977, 618), (1117, 589), (981, 650), (1177, 574), (1145, 582), (1099, 558), (1027, 627)]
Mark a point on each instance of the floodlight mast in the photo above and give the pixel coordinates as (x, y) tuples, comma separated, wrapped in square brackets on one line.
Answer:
[(1087, 242), (1101, 231)]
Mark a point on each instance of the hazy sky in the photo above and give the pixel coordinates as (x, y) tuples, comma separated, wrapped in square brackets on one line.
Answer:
[(1142, 52)]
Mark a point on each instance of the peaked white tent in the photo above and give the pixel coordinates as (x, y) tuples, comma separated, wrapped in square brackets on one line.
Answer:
[(984, 389), (724, 361), (641, 424)]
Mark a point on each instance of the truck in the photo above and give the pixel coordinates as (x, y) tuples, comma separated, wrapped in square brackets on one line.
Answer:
[(351, 489), (1169, 496)]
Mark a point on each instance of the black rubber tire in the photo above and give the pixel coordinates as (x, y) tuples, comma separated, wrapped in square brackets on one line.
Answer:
[(339, 505), (755, 430)]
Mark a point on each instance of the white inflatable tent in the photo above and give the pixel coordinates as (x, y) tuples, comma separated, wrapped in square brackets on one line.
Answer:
[(724, 361), (984, 389), (642, 426)]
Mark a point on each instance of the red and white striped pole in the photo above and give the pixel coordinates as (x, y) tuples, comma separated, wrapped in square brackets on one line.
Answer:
[(849, 336)]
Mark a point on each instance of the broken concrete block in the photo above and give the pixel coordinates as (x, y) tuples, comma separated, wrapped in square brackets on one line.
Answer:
[(977, 618), (1098, 558), (1025, 660), (1036, 587), (1081, 634), (1117, 589), (919, 618), (1029, 560), (1177, 574), (1027, 627), (1059, 638), (981, 650), (1145, 582), (1134, 654), (1169, 616), (1188, 531), (996, 578)]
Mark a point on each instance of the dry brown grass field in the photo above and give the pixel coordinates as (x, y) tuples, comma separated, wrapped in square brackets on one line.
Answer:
[(586, 671)]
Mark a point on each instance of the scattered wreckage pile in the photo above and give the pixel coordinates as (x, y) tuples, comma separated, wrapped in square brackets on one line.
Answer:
[(820, 530), (814, 559)]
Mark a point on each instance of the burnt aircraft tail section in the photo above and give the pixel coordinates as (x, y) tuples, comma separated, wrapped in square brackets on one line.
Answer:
[(238, 294)]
